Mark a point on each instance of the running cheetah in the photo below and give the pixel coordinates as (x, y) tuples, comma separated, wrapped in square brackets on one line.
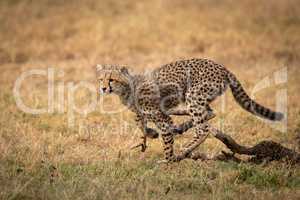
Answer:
[(194, 82)]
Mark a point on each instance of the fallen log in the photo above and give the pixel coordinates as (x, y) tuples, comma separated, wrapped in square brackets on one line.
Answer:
[(266, 150)]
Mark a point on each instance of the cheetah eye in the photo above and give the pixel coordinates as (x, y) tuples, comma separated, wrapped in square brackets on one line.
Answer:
[(110, 80)]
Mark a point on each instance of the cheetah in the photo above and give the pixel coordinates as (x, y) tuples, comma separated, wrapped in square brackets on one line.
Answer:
[(192, 82)]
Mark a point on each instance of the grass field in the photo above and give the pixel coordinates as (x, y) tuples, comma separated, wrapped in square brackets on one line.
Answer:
[(45, 156)]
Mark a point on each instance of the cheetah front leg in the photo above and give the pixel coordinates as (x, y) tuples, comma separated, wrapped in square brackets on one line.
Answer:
[(147, 132), (164, 123), (151, 133)]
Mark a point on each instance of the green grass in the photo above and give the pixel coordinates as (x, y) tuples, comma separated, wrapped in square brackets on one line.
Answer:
[(132, 179)]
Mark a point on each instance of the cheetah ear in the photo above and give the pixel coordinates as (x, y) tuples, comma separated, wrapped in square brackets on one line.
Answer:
[(99, 67), (124, 70)]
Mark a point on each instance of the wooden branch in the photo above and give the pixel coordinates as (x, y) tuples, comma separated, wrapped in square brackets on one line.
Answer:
[(229, 142), (263, 151)]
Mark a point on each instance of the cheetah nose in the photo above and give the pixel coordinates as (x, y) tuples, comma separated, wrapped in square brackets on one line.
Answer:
[(102, 90)]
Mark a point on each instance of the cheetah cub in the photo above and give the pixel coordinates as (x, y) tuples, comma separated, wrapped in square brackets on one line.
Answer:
[(194, 82)]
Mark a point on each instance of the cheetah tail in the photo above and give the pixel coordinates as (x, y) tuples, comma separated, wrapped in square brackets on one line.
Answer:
[(248, 104)]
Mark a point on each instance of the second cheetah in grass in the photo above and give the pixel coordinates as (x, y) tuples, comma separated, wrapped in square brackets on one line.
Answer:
[(194, 82)]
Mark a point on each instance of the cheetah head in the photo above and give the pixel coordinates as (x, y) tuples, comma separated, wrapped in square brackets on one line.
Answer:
[(112, 78)]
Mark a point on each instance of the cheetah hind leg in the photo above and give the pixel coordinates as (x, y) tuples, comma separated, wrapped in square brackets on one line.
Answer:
[(200, 114), (183, 127)]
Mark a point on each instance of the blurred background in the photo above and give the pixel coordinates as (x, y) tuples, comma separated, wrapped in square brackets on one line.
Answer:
[(140, 33), (253, 38)]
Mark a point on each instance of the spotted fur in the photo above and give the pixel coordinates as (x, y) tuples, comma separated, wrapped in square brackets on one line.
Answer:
[(194, 82)]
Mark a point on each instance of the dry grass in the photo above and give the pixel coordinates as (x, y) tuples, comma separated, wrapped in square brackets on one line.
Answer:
[(42, 158)]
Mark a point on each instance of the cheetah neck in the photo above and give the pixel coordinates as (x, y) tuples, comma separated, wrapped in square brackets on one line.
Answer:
[(126, 91)]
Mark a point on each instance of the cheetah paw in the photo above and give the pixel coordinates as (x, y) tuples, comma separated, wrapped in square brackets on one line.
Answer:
[(142, 144)]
